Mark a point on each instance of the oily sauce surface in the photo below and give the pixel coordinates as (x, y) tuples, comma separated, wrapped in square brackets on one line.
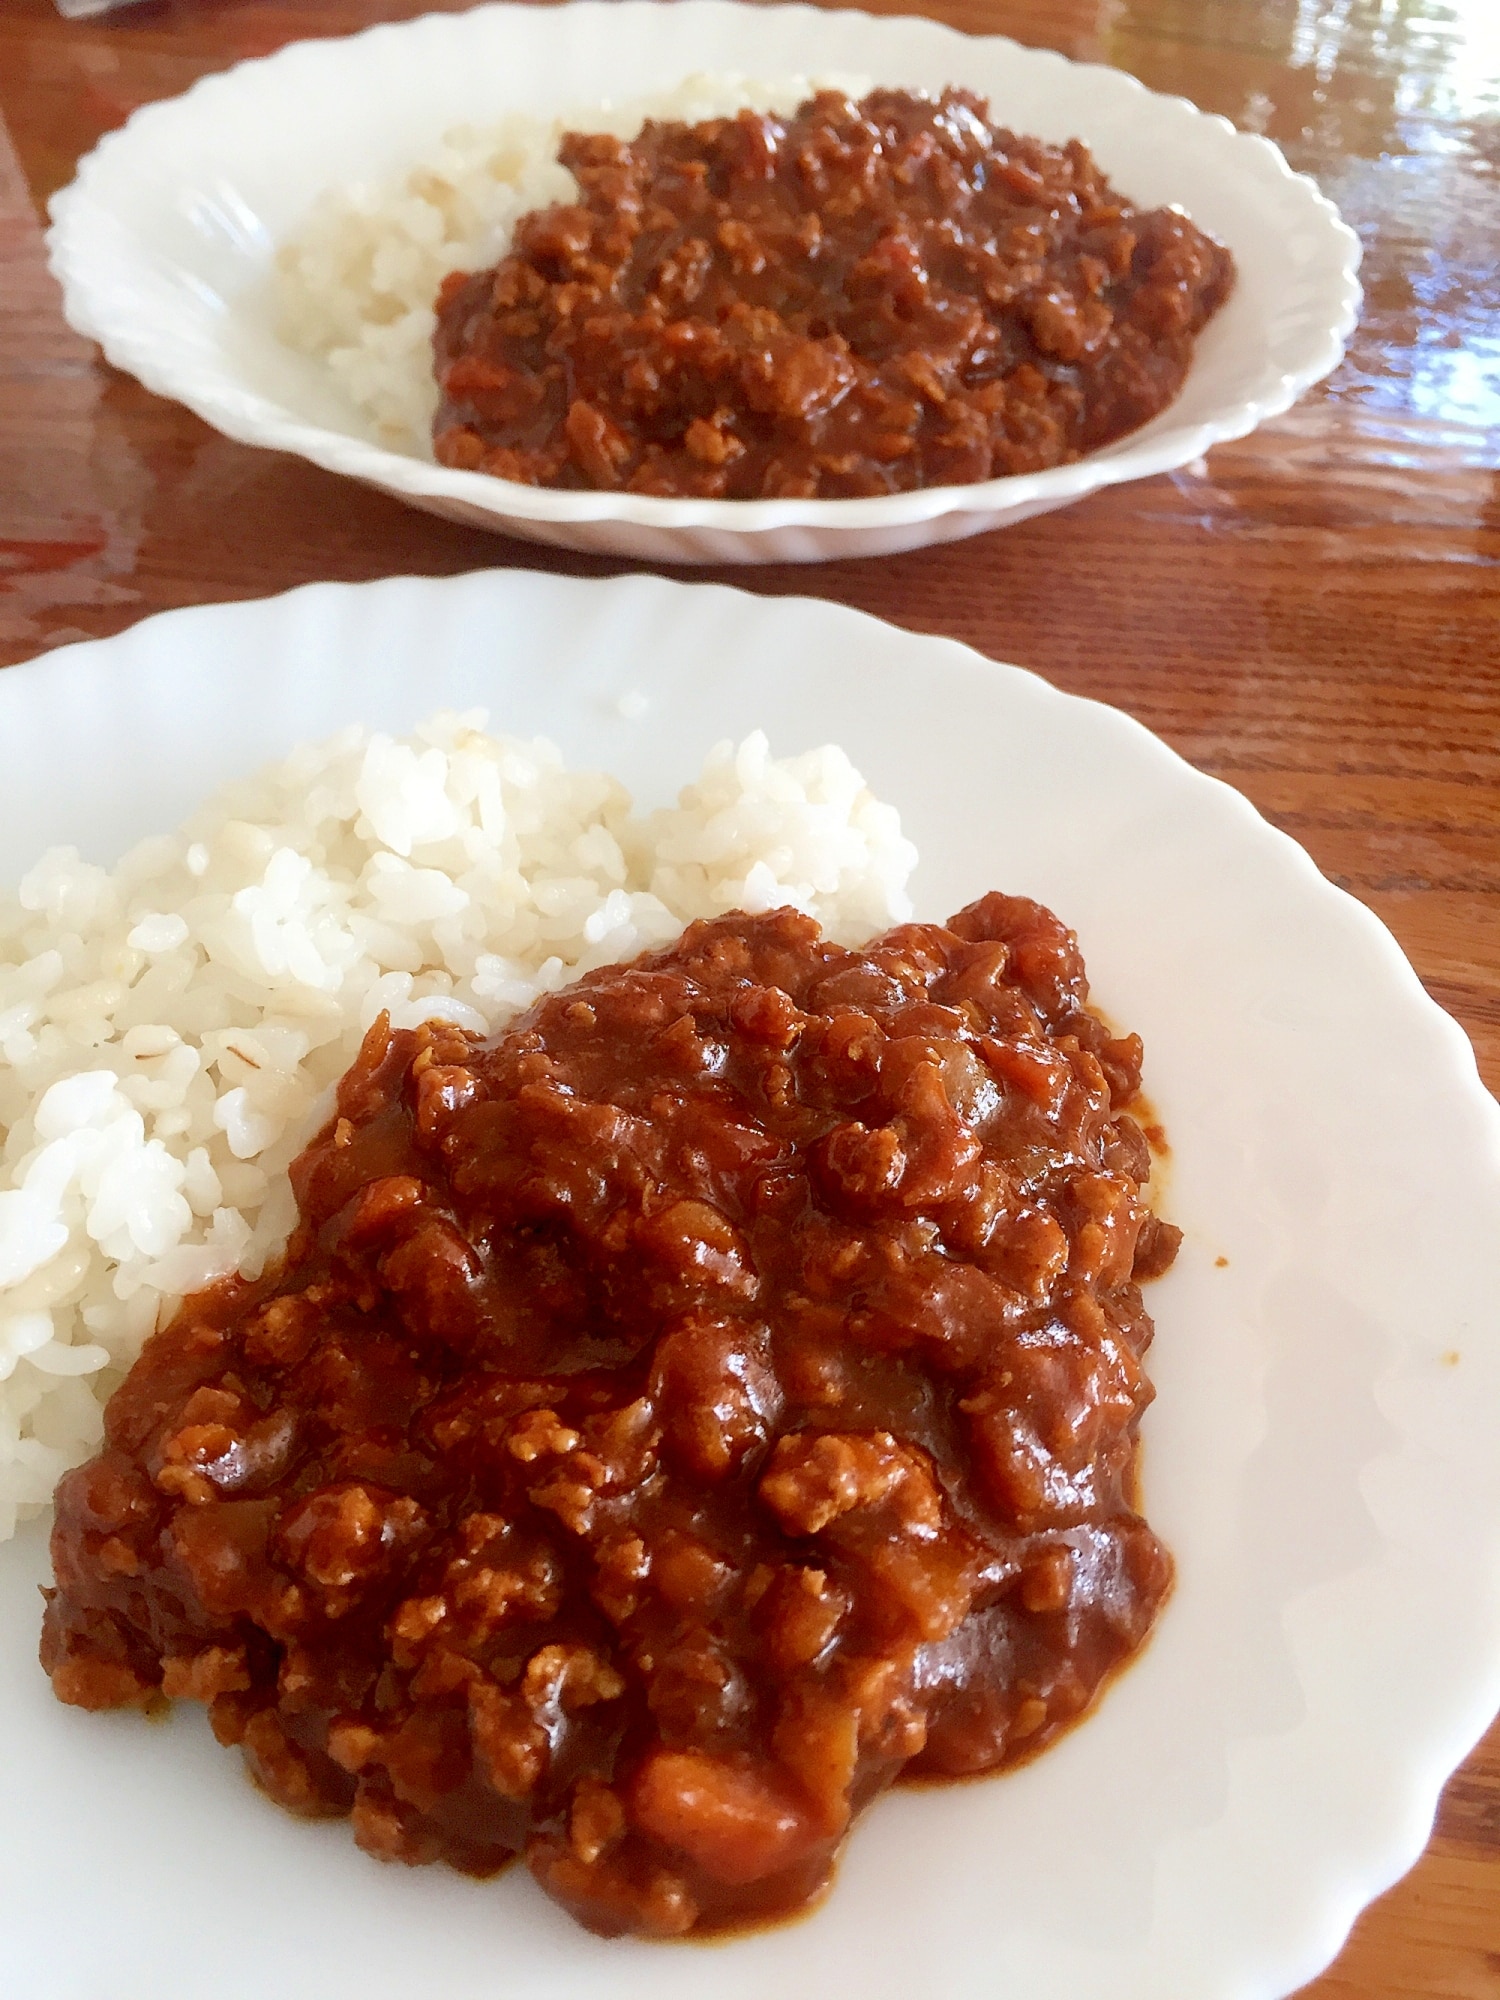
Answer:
[(674, 1422), (856, 300)]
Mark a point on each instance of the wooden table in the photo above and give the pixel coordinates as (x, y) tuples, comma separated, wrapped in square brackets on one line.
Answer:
[(1314, 616)]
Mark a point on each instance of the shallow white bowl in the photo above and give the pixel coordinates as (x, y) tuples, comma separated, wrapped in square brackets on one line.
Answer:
[(1320, 1458), (162, 245)]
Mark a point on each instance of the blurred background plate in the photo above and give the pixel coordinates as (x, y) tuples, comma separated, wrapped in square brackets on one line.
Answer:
[(163, 241)]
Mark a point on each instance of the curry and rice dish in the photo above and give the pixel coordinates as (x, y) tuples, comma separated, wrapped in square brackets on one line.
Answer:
[(676, 1419), (744, 291), (855, 300), (172, 1028)]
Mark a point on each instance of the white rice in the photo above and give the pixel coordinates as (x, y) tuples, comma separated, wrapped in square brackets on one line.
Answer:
[(355, 286), (170, 1029)]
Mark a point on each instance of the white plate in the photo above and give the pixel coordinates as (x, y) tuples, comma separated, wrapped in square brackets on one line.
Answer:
[(163, 242), (1324, 1470)]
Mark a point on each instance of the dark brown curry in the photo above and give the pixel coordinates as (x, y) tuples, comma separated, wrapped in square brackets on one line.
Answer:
[(676, 1421), (858, 299)]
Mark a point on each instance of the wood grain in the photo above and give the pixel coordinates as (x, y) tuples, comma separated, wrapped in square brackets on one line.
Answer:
[(1314, 615)]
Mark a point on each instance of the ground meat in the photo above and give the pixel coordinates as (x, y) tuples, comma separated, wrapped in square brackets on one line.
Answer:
[(674, 1422), (858, 299)]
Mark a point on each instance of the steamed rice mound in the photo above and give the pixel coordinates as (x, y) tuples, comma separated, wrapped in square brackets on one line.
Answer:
[(170, 1030)]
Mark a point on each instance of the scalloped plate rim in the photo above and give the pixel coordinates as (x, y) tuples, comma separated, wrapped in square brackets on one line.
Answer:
[(253, 419)]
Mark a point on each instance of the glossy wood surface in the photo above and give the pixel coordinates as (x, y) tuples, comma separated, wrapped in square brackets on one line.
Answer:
[(1313, 615)]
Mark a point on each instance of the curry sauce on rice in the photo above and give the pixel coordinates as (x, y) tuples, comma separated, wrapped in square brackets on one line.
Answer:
[(859, 299), (700, 1387), (741, 291), (356, 284), (676, 1420), (170, 1028)]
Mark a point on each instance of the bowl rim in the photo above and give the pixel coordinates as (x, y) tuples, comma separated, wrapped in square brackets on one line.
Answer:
[(93, 307)]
